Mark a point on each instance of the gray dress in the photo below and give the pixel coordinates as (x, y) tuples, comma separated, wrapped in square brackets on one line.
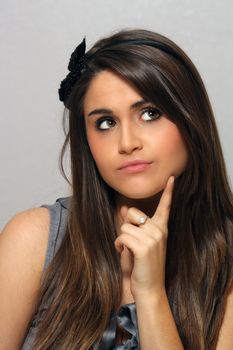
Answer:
[(125, 317)]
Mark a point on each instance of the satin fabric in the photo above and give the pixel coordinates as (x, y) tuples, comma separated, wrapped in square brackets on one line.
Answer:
[(126, 318)]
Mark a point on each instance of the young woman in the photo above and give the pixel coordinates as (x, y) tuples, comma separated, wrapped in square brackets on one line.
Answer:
[(140, 255)]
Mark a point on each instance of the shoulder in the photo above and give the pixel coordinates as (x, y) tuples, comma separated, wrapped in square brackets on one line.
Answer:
[(26, 232), (29, 231), (34, 218), (23, 243)]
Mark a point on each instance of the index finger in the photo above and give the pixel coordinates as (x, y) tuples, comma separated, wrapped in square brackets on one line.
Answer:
[(162, 212)]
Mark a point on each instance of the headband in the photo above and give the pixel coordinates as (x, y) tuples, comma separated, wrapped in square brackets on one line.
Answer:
[(77, 63)]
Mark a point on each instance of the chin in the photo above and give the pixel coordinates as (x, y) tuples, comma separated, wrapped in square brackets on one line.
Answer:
[(140, 194)]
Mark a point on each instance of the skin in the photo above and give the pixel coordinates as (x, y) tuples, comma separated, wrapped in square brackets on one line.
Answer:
[(129, 135), (23, 243)]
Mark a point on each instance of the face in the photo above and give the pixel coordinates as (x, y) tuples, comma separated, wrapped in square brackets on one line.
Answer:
[(135, 146)]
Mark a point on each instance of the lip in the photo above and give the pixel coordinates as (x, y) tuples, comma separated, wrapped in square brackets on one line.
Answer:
[(134, 166)]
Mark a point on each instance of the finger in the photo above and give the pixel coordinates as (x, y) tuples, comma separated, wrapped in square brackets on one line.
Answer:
[(123, 212), (130, 231), (135, 216), (162, 212), (126, 240)]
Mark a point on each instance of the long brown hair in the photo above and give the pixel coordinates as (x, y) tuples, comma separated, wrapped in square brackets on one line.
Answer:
[(83, 282)]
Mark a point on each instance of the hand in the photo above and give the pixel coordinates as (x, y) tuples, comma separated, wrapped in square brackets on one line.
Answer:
[(147, 244)]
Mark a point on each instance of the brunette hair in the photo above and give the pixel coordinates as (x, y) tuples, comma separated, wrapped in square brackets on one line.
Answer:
[(83, 283)]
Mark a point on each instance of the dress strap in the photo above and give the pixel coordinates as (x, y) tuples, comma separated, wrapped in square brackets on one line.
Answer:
[(57, 227)]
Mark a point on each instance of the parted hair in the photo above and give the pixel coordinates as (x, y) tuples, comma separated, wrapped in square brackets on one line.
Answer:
[(82, 284)]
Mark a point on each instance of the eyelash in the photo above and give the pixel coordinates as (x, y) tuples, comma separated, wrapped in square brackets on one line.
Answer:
[(154, 110), (147, 109)]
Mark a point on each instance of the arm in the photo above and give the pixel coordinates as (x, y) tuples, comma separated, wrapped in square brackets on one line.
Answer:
[(225, 339), (156, 323), (23, 244), (147, 244)]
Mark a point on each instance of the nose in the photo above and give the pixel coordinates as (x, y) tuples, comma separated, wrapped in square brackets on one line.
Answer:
[(129, 139)]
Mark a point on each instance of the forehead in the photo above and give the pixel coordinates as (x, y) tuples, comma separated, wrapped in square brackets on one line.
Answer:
[(108, 88)]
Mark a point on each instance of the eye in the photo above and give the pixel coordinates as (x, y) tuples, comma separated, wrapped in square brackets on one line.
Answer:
[(105, 123), (151, 113)]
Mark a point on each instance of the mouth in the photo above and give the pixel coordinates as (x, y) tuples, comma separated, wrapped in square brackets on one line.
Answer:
[(134, 166)]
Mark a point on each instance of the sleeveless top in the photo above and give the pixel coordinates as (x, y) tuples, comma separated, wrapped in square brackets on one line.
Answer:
[(125, 317)]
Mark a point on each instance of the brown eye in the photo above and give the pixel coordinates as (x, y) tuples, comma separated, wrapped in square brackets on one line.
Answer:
[(151, 113), (105, 124)]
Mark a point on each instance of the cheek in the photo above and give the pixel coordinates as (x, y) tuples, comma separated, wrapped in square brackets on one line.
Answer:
[(173, 149), (100, 149), (175, 146), (95, 146)]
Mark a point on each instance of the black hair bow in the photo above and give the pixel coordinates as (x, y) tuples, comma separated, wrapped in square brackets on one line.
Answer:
[(76, 65)]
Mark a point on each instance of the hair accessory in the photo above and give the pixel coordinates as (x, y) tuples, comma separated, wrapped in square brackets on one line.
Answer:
[(76, 66), (142, 220)]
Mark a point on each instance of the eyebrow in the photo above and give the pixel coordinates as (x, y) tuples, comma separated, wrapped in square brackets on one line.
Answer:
[(135, 105)]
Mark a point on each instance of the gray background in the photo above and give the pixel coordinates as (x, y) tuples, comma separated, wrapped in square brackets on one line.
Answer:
[(36, 39)]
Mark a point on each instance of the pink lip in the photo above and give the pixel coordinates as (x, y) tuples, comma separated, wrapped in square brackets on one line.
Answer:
[(134, 166)]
